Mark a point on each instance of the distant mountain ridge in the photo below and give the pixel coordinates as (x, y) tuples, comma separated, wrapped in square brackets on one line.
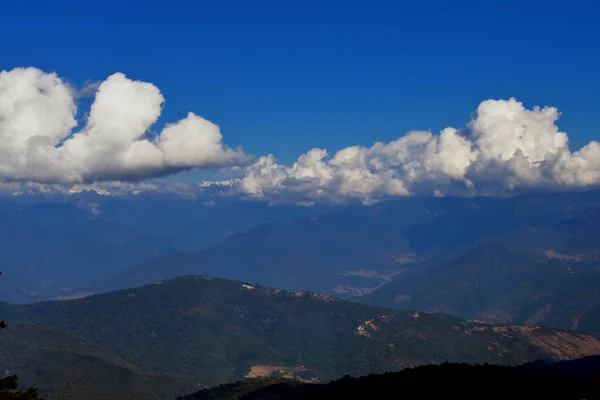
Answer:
[(497, 283), (313, 254), (91, 243), (352, 250), (53, 249)]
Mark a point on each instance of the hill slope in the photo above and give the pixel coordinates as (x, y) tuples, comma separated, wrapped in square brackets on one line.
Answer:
[(65, 367), (212, 331), (495, 283)]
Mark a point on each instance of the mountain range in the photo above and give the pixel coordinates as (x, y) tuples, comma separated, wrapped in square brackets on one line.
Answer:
[(196, 331), (352, 251), (55, 249), (92, 243), (530, 276), (318, 254), (163, 297)]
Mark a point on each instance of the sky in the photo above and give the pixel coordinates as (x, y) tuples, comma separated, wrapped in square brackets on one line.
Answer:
[(285, 77)]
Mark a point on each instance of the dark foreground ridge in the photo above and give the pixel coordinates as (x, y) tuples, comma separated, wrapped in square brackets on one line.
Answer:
[(443, 381)]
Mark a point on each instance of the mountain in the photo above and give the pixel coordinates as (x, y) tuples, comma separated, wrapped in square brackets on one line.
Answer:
[(65, 367), (432, 381), (322, 254), (229, 219), (448, 224), (497, 283), (87, 242), (212, 331), (584, 233), (155, 213), (351, 250), (54, 249), (189, 223)]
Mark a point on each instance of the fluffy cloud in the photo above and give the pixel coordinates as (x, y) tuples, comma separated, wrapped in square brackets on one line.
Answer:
[(37, 142), (505, 147)]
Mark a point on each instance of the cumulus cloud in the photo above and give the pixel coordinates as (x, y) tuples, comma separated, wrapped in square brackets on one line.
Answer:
[(38, 142), (504, 148)]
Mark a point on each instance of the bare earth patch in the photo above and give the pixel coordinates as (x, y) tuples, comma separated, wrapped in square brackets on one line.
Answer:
[(350, 290), (405, 259), (560, 345), (380, 278), (553, 254), (290, 372), (257, 371), (80, 295), (566, 346), (496, 316)]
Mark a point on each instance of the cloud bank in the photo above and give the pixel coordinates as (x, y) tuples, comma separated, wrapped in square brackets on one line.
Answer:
[(37, 142), (504, 148)]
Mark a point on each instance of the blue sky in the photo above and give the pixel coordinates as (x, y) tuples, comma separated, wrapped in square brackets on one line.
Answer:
[(283, 77)]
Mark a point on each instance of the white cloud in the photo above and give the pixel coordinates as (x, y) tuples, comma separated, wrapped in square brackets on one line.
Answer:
[(504, 148), (37, 143)]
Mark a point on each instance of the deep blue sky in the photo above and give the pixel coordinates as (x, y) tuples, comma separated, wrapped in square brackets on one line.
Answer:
[(286, 76)]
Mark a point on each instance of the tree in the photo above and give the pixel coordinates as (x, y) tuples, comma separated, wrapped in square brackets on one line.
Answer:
[(9, 385)]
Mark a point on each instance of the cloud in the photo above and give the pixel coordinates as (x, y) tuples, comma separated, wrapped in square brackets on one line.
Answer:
[(88, 89), (504, 148), (37, 142), (207, 190)]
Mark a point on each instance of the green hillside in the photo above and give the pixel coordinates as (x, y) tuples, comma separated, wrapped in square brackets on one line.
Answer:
[(504, 284), (214, 331), (65, 367)]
